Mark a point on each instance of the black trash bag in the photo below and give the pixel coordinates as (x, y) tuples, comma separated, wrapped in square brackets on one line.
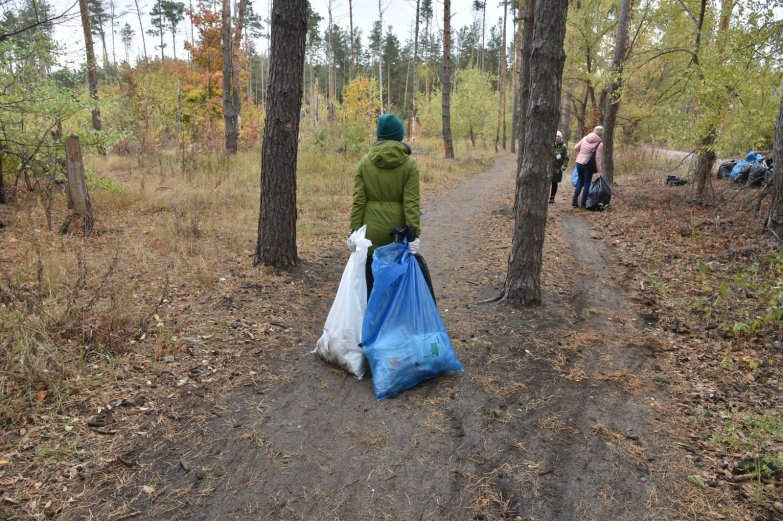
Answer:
[(725, 168), (673, 180), (409, 233), (742, 174), (759, 174), (600, 195)]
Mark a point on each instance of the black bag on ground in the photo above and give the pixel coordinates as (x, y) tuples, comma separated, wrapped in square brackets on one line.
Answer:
[(673, 180), (743, 173), (725, 168), (600, 195), (759, 174)]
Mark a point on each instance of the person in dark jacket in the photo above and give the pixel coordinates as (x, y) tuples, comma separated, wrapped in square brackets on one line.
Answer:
[(386, 190), (560, 153)]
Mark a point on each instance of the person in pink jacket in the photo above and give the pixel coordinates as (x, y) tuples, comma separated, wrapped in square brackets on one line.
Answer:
[(584, 149)]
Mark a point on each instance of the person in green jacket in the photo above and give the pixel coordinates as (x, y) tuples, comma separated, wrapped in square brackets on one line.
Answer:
[(386, 190), (560, 153)]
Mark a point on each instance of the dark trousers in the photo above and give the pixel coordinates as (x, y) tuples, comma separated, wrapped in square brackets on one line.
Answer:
[(553, 191), (368, 275), (583, 184)]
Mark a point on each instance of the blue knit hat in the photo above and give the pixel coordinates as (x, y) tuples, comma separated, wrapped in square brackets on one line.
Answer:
[(390, 128)]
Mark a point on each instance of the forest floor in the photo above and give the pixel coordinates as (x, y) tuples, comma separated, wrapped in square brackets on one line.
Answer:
[(573, 410)]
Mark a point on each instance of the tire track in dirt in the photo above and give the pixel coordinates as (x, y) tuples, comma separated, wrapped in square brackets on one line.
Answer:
[(543, 425)]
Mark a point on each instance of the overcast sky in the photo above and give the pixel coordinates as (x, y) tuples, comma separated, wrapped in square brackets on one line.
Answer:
[(400, 14)]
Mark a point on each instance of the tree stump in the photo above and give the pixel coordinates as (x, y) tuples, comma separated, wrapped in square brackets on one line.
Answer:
[(80, 219)]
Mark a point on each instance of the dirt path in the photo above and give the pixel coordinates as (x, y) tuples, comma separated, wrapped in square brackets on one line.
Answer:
[(554, 418)]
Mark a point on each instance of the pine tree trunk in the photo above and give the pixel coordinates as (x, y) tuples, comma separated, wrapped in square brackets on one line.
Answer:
[(277, 221), (775, 217), (504, 68), (230, 115), (353, 50), (415, 90), (546, 59), (483, 32), (615, 88), (330, 94), (102, 34), (501, 81), (236, 60), (388, 85), (448, 145), (524, 83), (92, 74), (113, 42), (517, 69), (380, 55), (141, 30), (160, 27)]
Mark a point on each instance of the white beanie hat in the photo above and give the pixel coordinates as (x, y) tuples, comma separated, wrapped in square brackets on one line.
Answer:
[(559, 134)]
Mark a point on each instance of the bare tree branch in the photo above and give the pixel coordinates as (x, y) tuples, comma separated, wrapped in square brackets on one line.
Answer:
[(7, 36), (688, 11)]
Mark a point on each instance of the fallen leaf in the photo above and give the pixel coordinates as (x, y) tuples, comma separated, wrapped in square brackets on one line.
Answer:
[(697, 480)]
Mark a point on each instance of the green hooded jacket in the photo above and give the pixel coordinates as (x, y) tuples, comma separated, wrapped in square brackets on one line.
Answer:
[(386, 191)]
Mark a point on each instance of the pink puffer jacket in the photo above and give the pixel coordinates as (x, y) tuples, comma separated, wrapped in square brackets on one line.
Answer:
[(585, 147)]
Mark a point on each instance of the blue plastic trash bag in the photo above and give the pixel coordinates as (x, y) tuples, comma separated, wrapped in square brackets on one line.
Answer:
[(741, 169), (575, 177), (403, 336)]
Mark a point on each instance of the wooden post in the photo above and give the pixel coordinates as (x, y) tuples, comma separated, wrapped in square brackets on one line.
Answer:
[(80, 219)]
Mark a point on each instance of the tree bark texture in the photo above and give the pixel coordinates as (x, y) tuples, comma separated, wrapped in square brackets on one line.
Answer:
[(517, 69), (92, 74), (614, 93), (523, 282), (236, 60), (448, 145), (415, 90), (524, 83), (80, 219), (502, 85), (230, 114), (775, 217), (567, 117), (277, 221), (706, 151), (704, 161)]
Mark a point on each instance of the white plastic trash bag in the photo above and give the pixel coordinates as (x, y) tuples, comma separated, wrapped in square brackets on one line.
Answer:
[(340, 343)]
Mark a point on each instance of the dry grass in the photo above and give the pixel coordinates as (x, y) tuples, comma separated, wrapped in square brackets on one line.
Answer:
[(84, 321)]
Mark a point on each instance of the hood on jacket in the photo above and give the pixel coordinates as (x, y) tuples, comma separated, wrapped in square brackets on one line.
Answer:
[(592, 138), (389, 154)]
